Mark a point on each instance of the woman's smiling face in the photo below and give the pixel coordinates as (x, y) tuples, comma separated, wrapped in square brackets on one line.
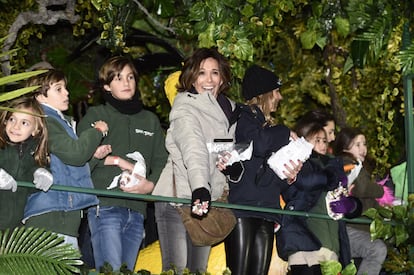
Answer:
[(209, 78)]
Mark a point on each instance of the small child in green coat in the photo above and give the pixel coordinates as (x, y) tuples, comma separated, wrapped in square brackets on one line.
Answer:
[(23, 157)]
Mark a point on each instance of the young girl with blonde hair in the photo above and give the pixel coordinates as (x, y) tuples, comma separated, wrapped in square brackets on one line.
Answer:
[(23, 156)]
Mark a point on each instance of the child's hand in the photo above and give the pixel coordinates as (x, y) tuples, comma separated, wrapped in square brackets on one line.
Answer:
[(7, 182), (293, 135), (101, 126), (43, 179), (102, 151), (144, 186)]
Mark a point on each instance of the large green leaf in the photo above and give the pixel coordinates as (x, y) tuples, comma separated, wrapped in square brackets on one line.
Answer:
[(330, 267), (17, 93), (342, 26), (350, 269), (28, 250), (385, 212), (401, 234), (20, 76), (371, 213), (400, 212), (308, 39)]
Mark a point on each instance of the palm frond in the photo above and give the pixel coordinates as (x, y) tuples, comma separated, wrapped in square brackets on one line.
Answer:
[(359, 18), (376, 35), (406, 58), (28, 250), (19, 76), (17, 93)]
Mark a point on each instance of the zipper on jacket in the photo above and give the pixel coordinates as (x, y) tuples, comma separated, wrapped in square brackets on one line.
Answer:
[(20, 150), (70, 201)]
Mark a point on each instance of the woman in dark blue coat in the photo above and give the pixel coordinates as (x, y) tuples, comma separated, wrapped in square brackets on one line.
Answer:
[(249, 246)]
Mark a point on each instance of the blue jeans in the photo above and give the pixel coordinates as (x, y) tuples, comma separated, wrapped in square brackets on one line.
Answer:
[(177, 249), (70, 240), (116, 235)]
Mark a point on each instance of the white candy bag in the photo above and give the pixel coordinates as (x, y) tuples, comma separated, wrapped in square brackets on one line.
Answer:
[(128, 179)]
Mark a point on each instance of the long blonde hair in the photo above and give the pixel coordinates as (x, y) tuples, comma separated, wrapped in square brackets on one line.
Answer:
[(262, 101), (32, 105)]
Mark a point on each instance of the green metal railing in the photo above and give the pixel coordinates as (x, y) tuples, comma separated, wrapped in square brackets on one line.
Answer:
[(408, 109), (153, 198), (408, 123)]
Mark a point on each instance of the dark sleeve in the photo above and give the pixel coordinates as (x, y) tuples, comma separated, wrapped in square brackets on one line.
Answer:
[(365, 187), (335, 173), (265, 139), (159, 155), (84, 125), (311, 181), (71, 151)]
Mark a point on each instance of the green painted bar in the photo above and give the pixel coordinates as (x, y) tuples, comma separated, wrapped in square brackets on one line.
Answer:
[(152, 198)]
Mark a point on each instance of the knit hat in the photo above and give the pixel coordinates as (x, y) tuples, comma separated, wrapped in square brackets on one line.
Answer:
[(258, 81)]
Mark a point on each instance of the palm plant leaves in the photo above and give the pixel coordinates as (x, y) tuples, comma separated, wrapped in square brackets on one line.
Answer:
[(17, 93), (375, 35), (15, 78), (407, 59), (28, 250), (20, 76)]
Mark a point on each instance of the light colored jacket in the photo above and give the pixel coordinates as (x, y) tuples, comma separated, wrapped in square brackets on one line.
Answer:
[(195, 121)]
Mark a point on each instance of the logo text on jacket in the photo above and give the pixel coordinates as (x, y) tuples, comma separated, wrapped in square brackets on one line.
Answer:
[(145, 133)]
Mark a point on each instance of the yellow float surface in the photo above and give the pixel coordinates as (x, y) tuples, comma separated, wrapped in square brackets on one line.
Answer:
[(150, 259)]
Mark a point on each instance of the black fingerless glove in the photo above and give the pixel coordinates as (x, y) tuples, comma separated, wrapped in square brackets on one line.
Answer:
[(356, 211), (198, 197), (201, 194), (234, 172)]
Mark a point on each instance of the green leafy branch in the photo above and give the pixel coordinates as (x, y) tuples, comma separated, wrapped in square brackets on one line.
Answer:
[(28, 250), (395, 225)]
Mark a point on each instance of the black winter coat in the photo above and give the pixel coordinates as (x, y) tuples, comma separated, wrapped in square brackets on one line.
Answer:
[(259, 185), (319, 174)]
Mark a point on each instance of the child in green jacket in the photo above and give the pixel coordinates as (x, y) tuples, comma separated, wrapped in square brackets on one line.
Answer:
[(60, 211), (117, 224), (23, 156)]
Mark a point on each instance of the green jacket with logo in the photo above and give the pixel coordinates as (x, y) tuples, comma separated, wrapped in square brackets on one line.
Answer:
[(140, 132)]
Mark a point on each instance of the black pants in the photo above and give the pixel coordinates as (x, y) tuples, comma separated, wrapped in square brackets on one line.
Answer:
[(305, 270), (249, 247)]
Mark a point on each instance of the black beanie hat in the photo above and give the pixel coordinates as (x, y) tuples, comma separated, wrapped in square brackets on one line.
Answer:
[(258, 81)]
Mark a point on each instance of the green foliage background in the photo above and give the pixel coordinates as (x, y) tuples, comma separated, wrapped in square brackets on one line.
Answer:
[(342, 56)]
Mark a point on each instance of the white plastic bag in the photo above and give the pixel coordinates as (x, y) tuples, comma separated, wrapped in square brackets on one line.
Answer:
[(128, 179), (298, 149)]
